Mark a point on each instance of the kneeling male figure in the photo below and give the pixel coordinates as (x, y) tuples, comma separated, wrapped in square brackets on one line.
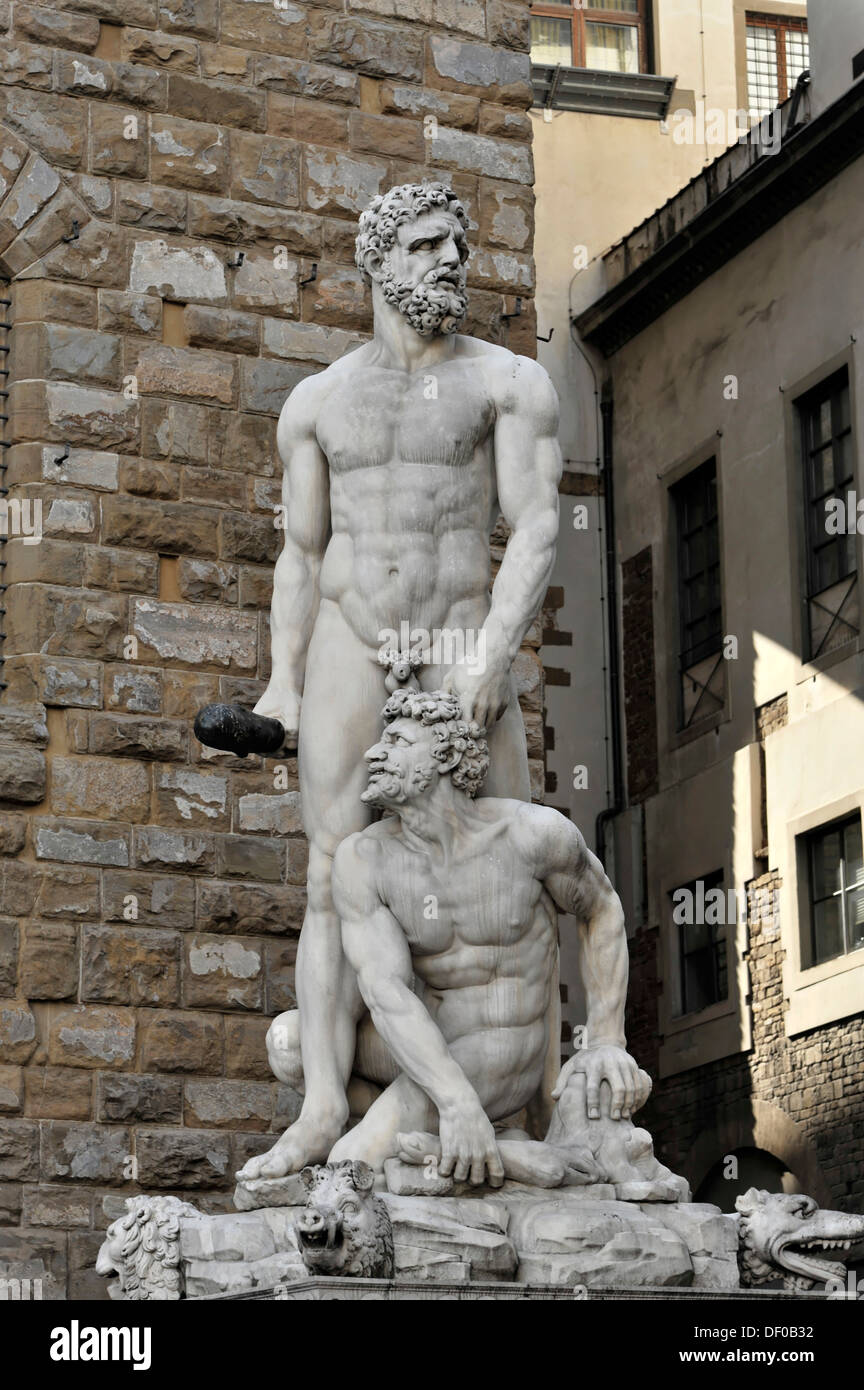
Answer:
[(448, 911)]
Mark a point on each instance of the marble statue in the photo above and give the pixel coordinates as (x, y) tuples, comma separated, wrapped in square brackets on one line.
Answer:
[(448, 911), (344, 1229), (163, 1249), (398, 460)]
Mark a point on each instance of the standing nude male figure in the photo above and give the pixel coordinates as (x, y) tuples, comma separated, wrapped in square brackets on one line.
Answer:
[(397, 461)]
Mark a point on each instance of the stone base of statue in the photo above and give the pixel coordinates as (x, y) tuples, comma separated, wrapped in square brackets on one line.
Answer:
[(601, 1214)]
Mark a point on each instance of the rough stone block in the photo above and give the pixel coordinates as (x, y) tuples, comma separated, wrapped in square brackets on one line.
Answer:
[(267, 282), (18, 1033), (69, 893), (221, 328), (497, 74), (266, 385), (99, 256), (387, 135), (258, 24), (178, 1042), (54, 125), (49, 961), (51, 300), (244, 537), (336, 183), (96, 77), (221, 60), (184, 1159), (253, 857), (159, 49), (36, 186), (19, 884), (184, 797), (11, 1097), (265, 169), (156, 848), (339, 297), (175, 430), (13, 834), (124, 570), (187, 691), (313, 81), (133, 690), (222, 973), (158, 900), (62, 352), (82, 842), (203, 581), (19, 1150), (159, 526), (79, 623), (182, 273), (223, 103), (249, 908), (134, 966), (235, 439), (122, 312), (58, 1093), (142, 205), (88, 1153), (74, 415), (188, 154), (186, 372), (54, 681), (137, 737), (100, 788), (280, 968), (367, 46), (118, 144), (22, 775), (275, 815), (26, 65), (90, 1036), (140, 1099), (64, 1209), (406, 99), (243, 1105), (246, 1049), (196, 635)]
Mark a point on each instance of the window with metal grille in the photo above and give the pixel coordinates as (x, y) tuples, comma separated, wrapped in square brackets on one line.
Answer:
[(835, 868), (778, 51), (605, 35), (832, 557), (700, 611), (702, 965)]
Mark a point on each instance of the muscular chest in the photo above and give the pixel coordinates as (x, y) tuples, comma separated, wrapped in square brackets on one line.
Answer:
[(485, 903), (380, 417)]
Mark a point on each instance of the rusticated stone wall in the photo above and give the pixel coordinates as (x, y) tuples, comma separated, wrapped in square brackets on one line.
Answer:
[(179, 184), (814, 1079)]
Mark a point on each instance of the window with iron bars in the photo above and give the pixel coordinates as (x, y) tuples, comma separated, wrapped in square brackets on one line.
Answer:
[(702, 678), (827, 455), (702, 962), (604, 35), (835, 868), (778, 51)]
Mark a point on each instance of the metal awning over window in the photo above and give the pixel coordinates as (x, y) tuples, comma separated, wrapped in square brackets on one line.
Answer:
[(607, 93)]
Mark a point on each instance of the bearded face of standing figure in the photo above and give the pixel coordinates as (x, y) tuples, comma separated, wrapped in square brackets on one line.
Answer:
[(413, 244)]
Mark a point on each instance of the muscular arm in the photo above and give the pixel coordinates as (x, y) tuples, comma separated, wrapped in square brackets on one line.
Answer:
[(378, 950), (305, 516), (528, 469), (576, 882)]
